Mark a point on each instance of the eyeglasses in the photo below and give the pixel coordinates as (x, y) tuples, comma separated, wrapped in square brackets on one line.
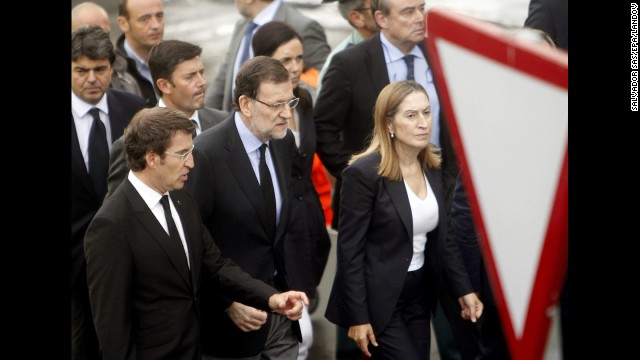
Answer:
[(182, 157), (280, 106)]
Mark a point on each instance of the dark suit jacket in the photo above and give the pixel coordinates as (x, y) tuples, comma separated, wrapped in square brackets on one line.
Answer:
[(118, 168), (314, 45), (84, 201), (306, 240), (144, 299), (552, 17), (375, 247), (230, 201), (343, 112)]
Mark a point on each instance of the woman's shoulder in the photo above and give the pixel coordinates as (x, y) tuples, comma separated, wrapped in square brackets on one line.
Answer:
[(367, 164)]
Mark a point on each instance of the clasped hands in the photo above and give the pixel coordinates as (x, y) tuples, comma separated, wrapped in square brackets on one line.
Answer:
[(247, 318)]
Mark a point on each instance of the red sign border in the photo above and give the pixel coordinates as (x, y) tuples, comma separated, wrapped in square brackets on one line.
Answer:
[(493, 42)]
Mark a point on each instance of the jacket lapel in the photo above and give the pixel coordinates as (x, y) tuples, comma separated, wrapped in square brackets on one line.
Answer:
[(400, 200), (174, 250), (240, 166)]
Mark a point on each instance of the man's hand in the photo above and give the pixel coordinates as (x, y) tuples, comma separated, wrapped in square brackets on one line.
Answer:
[(245, 317), (362, 335), (471, 307), (289, 304)]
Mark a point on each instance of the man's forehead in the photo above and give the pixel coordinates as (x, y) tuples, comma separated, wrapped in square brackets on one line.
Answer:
[(85, 61), (275, 89)]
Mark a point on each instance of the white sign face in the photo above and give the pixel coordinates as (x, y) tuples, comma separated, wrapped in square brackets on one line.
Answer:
[(514, 129)]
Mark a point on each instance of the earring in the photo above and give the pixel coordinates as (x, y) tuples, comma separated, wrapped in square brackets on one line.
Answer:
[(393, 135)]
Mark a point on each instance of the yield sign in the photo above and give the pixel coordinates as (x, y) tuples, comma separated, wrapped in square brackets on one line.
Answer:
[(506, 104)]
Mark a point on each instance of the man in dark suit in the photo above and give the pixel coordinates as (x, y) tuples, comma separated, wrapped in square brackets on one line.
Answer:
[(230, 184), (148, 252), (256, 13), (92, 56), (178, 76)]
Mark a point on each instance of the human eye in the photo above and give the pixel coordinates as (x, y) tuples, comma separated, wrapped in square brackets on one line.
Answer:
[(101, 69), (81, 71)]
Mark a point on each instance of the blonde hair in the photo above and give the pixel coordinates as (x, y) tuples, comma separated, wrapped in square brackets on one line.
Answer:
[(387, 104)]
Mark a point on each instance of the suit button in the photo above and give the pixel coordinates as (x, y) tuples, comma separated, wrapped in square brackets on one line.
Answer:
[(304, 155), (299, 177), (300, 198)]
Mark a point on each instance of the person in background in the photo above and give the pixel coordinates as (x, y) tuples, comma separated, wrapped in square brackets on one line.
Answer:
[(99, 115), (256, 13), (242, 183), (178, 77), (148, 252), (360, 17), (88, 13), (551, 17), (393, 248), (307, 241), (142, 26)]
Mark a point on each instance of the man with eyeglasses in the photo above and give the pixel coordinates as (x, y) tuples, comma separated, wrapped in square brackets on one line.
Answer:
[(99, 115), (148, 253), (359, 16), (232, 187)]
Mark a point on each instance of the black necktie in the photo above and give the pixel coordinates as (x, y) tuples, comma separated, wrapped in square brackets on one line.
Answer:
[(171, 225), (266, 184), (248, 33), (98, 154), (195, 131), (409, 60)]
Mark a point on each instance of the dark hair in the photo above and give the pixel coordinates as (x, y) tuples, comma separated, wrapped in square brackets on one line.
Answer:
[(166, 55), (254, 72), (122, 9), (93, 42), (270, 36), (151, 129)]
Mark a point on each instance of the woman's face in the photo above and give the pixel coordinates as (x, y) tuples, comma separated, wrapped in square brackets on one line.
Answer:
[(411, 124), (290, 55)]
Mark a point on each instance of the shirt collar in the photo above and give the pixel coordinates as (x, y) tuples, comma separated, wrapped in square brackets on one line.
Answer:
[(81, 107), (249, 141), (392, 53), (149, 195), (194, 116), (267, 14), (132, 54)]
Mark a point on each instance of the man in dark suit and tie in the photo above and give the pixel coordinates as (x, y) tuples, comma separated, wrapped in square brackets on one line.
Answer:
[(98, 116), (254, 14), (178, 74), (246, 216), (148, 252)]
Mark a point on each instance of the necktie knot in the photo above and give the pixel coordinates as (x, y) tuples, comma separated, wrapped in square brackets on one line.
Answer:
[(165, 203)]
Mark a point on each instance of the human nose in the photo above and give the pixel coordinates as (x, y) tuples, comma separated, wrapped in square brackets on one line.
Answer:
[(190, 162)]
